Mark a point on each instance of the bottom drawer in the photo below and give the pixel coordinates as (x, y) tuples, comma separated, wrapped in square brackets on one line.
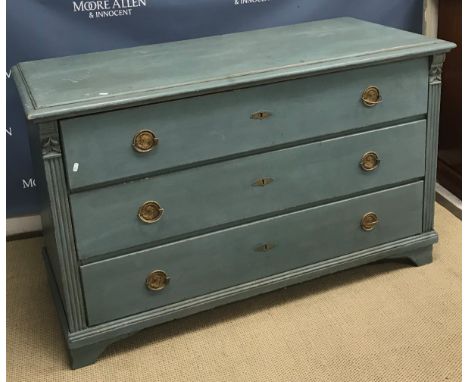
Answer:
[(117, 287)]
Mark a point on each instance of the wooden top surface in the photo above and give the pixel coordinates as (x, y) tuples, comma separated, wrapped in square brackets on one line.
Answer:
[(73, 85)]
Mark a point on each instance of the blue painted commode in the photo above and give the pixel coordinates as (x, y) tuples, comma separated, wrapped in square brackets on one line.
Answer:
[(219, 168)]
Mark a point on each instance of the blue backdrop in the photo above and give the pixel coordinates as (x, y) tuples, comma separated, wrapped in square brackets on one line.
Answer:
[(49, 28)]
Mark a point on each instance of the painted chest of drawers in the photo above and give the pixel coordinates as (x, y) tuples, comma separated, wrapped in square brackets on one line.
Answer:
[(182, 176)]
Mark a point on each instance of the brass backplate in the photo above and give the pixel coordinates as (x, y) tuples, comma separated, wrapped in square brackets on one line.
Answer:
[(369, 221), (150, 212), (157, 280), (370, 161), (260, 115), (144, 141), (371, 96)]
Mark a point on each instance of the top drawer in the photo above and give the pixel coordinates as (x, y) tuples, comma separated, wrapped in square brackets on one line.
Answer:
[(99, 148)]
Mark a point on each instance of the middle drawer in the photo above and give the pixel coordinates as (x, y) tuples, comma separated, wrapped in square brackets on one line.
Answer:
[(118, 217)]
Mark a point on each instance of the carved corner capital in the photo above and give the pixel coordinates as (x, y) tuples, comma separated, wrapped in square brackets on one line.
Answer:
[(435, 73), (50, 141), (50, 147)]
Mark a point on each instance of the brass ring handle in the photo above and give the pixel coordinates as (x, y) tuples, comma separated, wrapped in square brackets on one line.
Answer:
[(150, 212), (371, 96), (369, 221), (144, 141), (157, 280), (369, 161)]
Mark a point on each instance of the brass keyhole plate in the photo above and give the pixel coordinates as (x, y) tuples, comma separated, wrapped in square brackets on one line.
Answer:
[(157, 280), (369, 221), (262, 182), (260, 115), (144, 141), (150, 212), (264, 247)]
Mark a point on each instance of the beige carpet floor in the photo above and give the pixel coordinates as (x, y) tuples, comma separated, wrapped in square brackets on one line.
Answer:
[(381, 322)]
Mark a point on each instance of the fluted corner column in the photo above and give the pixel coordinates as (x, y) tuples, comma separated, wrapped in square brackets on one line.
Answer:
[(432, 139), (59, 224)]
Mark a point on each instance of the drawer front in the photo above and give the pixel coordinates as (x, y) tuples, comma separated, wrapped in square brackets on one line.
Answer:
[(98, 148), (203, 198), (116, 287)]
